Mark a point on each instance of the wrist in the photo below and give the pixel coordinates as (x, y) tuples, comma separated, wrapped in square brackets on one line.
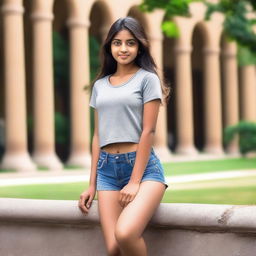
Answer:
[(134, 181), (92, 186)]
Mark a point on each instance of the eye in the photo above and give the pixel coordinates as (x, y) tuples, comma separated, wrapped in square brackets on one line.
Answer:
[(116, 42), (131, 43)]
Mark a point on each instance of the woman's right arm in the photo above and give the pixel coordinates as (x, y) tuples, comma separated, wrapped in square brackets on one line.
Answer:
[(95, 151), (94, 160), (89, 193)]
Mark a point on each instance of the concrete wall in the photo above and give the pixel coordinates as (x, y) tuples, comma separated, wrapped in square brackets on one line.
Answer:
[(58, 228)]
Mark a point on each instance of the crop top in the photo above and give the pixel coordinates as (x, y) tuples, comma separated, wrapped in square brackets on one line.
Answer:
[(120, 107)]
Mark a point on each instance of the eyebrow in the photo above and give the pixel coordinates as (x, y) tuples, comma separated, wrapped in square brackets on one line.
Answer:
[(132, 39)]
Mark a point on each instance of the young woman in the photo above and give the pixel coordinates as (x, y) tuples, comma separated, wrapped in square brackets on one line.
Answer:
[(125, 171)]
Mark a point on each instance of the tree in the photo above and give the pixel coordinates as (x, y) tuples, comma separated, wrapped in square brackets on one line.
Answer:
[(247, 136), (238, 24)]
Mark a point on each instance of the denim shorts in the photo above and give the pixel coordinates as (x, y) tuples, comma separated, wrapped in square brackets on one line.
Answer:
[(114, 170)]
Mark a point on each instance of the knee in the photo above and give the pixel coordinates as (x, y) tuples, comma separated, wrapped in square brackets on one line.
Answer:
[(113, 251), (123, 235)]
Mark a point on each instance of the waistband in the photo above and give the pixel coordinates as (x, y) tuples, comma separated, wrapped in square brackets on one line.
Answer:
[(121, 156)]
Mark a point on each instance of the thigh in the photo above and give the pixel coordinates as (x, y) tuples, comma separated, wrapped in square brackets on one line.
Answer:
[(136, 215), (109, 211)]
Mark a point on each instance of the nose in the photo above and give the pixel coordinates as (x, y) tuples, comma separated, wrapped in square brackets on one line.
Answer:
[(123, 47)]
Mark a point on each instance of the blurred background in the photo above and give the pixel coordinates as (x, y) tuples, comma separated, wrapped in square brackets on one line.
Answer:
[(205, 50)]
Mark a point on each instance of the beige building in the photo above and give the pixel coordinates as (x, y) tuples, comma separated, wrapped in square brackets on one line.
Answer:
[(210, 92)]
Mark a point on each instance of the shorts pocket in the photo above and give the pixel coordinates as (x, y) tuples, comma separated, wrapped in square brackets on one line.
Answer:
[(151, 162), (132, 162), (100, 163)]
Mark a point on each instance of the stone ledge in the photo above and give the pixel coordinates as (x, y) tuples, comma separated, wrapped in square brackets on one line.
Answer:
[(57, 228), (205, 217)]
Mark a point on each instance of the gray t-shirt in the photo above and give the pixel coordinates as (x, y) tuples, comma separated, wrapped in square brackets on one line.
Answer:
[(120, 107)]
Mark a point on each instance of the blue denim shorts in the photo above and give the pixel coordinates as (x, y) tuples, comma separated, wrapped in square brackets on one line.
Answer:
[(114, 170)]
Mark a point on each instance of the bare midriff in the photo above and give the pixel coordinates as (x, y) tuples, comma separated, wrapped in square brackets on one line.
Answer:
[(120, 148)]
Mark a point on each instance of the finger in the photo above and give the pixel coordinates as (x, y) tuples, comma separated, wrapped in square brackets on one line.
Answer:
[(82, 199), (120, 195), (83, 209), (128, 201), (121, 198), (80, 202), (122, 202), (89, 201), (86, 202), (131, 198), (125, 199), (82, 206)]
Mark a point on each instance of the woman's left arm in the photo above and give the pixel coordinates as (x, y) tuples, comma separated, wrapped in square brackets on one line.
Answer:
[(150, 114)]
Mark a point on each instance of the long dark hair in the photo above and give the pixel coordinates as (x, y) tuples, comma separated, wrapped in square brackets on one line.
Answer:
[(143, 59)]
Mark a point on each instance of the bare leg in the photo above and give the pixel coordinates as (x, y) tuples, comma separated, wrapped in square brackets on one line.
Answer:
[(135, 217), (109, 211)]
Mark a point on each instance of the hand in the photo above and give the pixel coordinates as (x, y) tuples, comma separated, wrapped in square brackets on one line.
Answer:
[(128, 193), (86, 195)]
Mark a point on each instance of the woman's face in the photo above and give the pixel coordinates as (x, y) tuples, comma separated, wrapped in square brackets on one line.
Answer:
[(124, 47)]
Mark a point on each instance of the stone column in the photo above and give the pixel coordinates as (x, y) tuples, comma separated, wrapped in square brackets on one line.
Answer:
[(161, 136), (16, 155), (248, 93), (80, 76), (212, 98), (230, 89), (184, 101), (44, 134)]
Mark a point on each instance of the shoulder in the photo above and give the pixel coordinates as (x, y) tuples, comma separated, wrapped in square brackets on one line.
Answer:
[(149, 77), (98, 82)]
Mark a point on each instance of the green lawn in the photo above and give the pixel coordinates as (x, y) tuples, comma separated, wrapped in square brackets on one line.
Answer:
[(225, 191), (231, 195), (240, 190), (180, 168), (63, 191)]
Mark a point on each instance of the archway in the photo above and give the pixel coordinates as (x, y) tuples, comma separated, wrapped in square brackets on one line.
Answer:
[(198, 43), (169, 74)]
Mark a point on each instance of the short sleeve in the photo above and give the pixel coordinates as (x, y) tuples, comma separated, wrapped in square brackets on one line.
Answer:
[(93, 97), (151, 88)]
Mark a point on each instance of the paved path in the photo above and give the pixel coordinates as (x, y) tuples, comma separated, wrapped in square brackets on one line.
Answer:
[(45, 177)]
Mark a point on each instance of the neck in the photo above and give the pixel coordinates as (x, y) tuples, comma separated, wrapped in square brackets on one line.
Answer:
[(126, 69)]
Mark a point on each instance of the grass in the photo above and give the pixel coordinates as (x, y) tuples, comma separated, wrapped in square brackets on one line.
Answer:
[(240, 190), (62, 191), (232, 195), (180, 168), (222, 191)]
